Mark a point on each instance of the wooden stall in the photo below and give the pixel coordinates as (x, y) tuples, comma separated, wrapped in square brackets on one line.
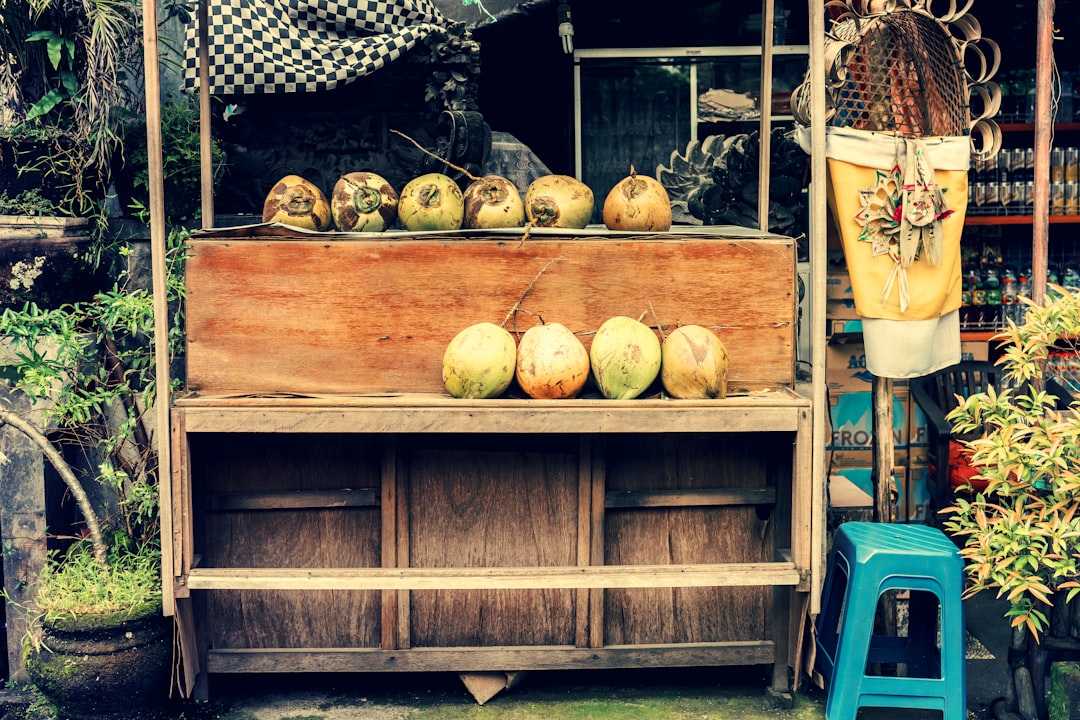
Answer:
[(334, 509)]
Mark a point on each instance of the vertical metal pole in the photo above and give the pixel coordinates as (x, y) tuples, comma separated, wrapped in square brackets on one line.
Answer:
[(159, 268), (768, 16), (1044, 58)]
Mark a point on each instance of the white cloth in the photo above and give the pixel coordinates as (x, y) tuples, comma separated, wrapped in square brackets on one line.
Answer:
[(911, 348)]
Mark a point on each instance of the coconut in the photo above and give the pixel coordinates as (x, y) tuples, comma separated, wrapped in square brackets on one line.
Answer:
[(431, 202), (639, 203), (493, 202), (559, 201), (363, 202), (297, 202), (694, 364), (551, 362), (625, 357), (479, 362)]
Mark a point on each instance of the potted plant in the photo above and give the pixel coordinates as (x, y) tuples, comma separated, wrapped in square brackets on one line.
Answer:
[(95, 614), (1018, 536)]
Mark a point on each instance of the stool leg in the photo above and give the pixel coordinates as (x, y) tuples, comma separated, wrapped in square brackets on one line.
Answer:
[(849, 661), (954, 657)]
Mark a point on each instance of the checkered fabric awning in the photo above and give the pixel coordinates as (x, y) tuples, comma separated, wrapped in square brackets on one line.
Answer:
[(283, 46)]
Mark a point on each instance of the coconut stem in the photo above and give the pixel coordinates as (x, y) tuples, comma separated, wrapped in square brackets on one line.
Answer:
[(440, 159), (525, 294)]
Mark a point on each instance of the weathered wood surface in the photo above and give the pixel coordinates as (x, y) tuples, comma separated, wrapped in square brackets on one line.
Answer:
[(724, 534), (287, 660), (512, 505), (771, 412), (334, 537), (365, 315)]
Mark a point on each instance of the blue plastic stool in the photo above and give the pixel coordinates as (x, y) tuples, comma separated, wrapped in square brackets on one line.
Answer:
[(866, 560)]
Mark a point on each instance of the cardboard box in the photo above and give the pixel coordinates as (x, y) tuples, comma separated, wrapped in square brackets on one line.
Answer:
[(974, 350), (863, 457), (862, 479), (842, 328), (838, 286), (845, 366), (852, 417), (841, 310), (915, 504)]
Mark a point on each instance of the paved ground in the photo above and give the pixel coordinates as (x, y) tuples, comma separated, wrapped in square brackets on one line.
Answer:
[(677, 694), (667, 694)]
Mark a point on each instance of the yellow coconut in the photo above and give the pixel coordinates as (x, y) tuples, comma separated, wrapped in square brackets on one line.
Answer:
[(694, 364), (493, 202), (559, 201), (551, 362), (625, 357), (297, 202), (639, 203), (479, 362)]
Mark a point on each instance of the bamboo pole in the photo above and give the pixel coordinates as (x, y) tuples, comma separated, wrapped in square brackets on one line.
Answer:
[(151, 65), (818, 270), (1044, 59), (206, 157)]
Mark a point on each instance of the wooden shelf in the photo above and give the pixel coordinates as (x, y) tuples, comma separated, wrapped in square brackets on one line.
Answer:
[(772, 411), (1017, 219), (495, 578), (1030, 127)]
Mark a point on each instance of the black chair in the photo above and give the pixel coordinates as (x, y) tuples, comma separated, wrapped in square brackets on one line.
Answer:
[(935, 395)]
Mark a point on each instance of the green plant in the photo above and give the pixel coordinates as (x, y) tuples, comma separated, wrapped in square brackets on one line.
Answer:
[(1020, 534), (93, 365), (65, 79), (180, 158)]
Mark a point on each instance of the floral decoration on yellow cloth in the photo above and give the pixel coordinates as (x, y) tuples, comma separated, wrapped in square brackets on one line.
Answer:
[(901, 214)]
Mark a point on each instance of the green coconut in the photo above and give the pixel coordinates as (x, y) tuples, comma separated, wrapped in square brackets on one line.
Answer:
[(431, 202), (479, 362), (625, 358)]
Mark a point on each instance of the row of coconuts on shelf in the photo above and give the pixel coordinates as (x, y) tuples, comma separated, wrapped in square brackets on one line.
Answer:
[(550, 362), (366, 202)]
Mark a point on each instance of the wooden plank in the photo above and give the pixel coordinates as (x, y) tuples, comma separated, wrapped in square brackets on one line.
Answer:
[(496, 578), (295, 500), (533, 417), (287, 660), (401, 545), (342, 538), (584, 536), (596, 543), (388, 541), (707, 534), (690, 498), (510, 501), (361, 315)]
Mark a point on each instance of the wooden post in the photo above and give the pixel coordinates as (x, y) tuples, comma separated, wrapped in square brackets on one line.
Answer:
[(156, 172), (1044, 64), (883, 449)]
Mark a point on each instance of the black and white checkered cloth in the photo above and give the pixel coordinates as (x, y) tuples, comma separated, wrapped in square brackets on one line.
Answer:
[(288, 46)]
